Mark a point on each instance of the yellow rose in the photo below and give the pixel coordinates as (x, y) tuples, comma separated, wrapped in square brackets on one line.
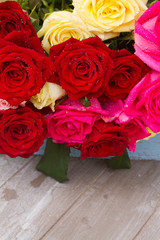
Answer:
[(60, 26), (48, 95), (109, 16)]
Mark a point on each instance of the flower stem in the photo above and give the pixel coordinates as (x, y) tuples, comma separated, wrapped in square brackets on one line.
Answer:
[(51, 9), (63, 4)]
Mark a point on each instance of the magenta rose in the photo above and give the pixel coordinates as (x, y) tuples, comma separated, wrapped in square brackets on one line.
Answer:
[(143, 101), (114, 108), (72, 121), (147, 37)]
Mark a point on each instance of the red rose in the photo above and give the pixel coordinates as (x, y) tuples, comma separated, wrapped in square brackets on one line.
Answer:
[(22, 132), (13, 18), (136, 131), (106, 139), (128, 71), (23, 71), (22, 40), (83, 67)]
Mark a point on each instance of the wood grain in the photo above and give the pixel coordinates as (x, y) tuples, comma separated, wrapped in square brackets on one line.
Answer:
[(151, 229), (96, 204), (10, 166), (32, 203), (114, 208)]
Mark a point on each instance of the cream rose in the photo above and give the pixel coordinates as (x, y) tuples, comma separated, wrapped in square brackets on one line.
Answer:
[(109, 16), (60, 26), (48, 95)]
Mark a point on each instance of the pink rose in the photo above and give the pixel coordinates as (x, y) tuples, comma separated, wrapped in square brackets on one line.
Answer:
[(147, 37), (72, 122), (143, 101), (114, 108)]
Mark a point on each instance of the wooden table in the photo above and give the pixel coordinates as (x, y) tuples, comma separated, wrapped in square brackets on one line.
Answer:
[(96, 204)]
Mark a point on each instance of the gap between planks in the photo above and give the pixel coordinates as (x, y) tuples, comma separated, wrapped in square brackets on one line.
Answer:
[(147, 171), (11, 173), (93, 183), (37, 205), (144, 225)]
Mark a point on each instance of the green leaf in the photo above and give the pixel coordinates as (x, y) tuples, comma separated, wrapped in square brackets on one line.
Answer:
[(85, 102), (54, 162), (33, 3), (62, 4), (45, 15), (44, 6), (61, 100), (120, 162), (151, 2), (35, 23), (33, 13), (45, 3)]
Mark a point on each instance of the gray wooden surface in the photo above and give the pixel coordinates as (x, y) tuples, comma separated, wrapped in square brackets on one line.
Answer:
[(95, 204)]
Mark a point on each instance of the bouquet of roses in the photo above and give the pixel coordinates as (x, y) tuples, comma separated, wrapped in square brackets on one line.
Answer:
[(69, 74)]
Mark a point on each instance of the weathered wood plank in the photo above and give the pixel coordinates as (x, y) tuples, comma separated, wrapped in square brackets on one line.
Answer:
[(31, 203), (114, 208), (151, 230), (10, 166)]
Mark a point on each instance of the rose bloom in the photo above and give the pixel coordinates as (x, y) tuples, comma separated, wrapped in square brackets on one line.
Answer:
[(83, 67), (22, 132), (23, 70), (72, 121), (115, 109), (48, 95), (109, 16), (60, 26), (147, 37), (4, 105), (128, 71), (106, 139), (136, 130), (13, 18), (143, 101)]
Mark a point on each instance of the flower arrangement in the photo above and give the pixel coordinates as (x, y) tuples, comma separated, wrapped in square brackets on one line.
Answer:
[(82, 74)]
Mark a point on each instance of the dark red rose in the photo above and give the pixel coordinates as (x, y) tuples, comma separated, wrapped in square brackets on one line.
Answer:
[(83, 67), (136, 130), (44, 111), (22, 132), (13, 18), (22, 40), (23, 71), (106, 139), (128, 71)]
